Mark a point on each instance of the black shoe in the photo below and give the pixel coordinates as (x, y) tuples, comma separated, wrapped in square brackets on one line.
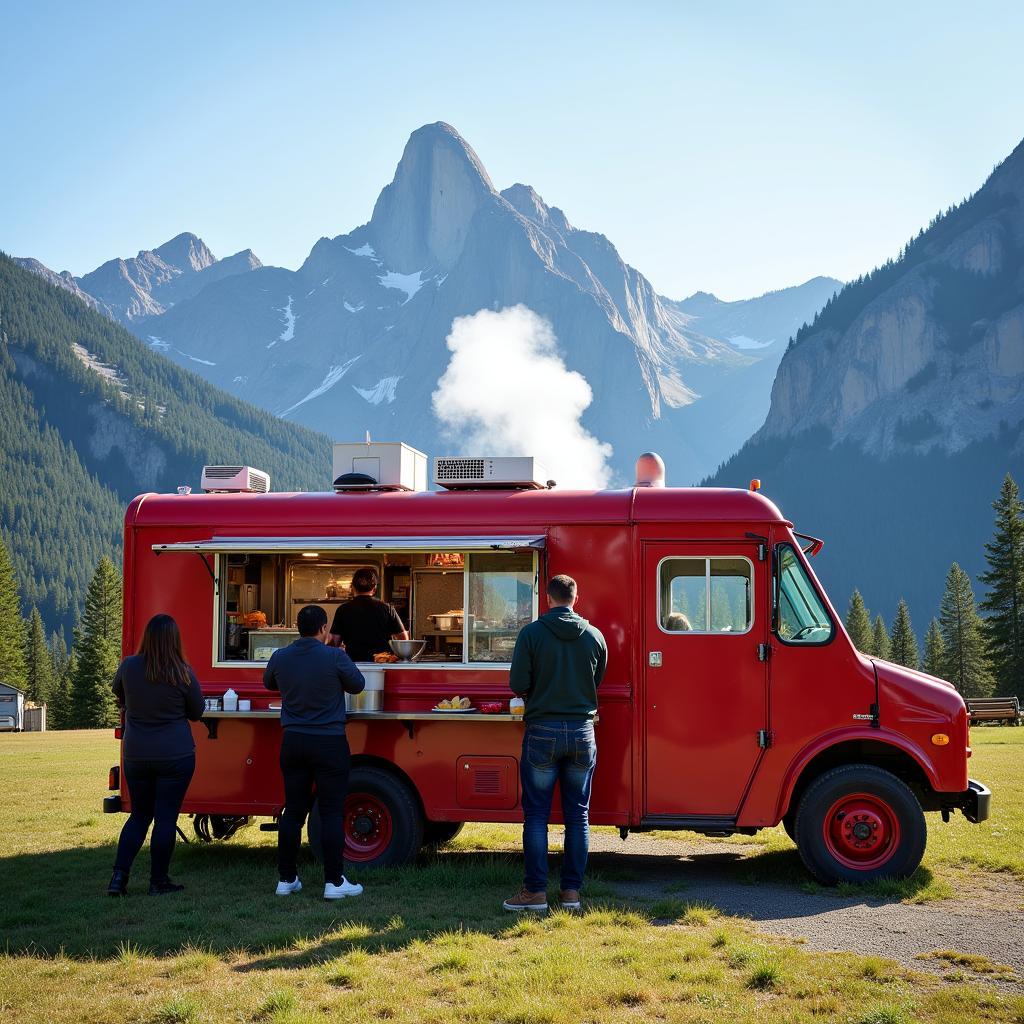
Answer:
[(118, 883), (164, 887)]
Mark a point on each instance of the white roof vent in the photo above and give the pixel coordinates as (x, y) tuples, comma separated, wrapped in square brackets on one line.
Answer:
[(234, 480), (379, 466), (506, 471)]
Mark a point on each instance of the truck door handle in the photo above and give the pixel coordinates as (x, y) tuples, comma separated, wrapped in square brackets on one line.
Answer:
[(654, 659)]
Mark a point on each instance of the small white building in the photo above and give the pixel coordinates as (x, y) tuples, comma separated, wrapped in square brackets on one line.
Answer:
[(12, 708)]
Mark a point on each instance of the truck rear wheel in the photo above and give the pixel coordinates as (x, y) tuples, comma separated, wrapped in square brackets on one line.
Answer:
[(857, 823), (437, 833), (383, 821)]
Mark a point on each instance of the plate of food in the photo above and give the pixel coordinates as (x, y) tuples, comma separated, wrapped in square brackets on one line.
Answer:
[(454, 706)]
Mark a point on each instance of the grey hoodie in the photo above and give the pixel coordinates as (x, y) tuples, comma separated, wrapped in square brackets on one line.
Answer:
[(558, 664)]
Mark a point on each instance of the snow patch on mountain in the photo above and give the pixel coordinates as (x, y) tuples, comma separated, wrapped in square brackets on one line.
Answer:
[(364, 250), (382, 391), (334, 374), (354, 309), (158, 343), (288, 318), (743, 342), (408, 283), (196, 359)]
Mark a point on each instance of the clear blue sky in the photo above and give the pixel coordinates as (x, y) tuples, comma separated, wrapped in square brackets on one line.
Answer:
[(732, 147)]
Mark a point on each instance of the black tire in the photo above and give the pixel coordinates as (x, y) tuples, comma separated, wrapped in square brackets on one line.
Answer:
[(389, 796), (789, 823), (437, 833), (857, 823)]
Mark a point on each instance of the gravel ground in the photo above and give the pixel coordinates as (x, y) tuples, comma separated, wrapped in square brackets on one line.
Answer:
[(990, 922)]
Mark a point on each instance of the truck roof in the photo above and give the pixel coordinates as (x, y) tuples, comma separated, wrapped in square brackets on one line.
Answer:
[(469, 510)]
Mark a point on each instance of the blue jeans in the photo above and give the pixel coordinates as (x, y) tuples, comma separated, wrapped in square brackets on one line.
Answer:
[(566, 753)]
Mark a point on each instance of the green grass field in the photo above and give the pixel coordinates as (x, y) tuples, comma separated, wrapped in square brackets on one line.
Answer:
[(427, 943)]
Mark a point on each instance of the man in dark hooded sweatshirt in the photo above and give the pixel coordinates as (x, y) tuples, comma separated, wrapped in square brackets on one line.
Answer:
[(557, 666)]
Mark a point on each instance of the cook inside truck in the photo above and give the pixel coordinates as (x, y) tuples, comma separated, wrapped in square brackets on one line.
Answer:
[(364, 625)]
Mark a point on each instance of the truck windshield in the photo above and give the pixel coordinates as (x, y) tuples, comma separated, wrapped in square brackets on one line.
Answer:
[(801, 616)]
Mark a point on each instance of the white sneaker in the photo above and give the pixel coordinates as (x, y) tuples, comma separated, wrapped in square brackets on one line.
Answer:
[(287, 888), (339, 892)]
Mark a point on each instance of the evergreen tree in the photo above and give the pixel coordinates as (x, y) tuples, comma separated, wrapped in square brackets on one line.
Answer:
[(965, 663), (57, 709), (934, 660), (12, 628), (97, 646), (904, 642), (858, 624), (58, 654), (38, 666), (63, 714), (881, 645), (1004, 601)]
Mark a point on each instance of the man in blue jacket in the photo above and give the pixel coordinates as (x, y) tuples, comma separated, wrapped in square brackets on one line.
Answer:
[(557, 665), (313, 680)]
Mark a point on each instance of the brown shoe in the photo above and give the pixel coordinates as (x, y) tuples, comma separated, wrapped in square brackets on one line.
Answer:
[(526, 900), (570, 899)]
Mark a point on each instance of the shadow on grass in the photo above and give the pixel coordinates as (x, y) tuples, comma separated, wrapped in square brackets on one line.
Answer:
[(54, 903)]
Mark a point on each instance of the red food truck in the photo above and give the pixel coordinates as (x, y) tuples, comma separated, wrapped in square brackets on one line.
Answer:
[(733, 699)]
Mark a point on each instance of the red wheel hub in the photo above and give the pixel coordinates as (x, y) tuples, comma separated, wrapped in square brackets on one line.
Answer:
[(368, 827), (861, 831)]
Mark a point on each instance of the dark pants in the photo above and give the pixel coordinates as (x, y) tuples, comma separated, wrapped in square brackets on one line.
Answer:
[(308, 759), (157, 789), (566, 753)]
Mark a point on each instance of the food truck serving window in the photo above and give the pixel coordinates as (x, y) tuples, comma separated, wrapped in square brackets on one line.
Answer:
[(705, 595), (468, 606)]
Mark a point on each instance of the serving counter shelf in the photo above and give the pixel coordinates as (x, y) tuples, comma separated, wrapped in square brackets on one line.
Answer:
[(211, 719)]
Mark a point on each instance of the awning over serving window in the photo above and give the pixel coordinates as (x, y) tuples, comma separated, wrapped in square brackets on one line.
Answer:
[(322, 545)]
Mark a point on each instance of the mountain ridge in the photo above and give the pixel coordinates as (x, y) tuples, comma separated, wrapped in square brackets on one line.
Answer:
[(90, 418), (354, 339), (901, 405)]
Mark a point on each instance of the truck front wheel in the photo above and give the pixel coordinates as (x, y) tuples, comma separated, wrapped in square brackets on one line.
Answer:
[(383, 821), (857, 823)]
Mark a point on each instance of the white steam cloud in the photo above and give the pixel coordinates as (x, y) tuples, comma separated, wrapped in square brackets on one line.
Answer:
[(506, 391)]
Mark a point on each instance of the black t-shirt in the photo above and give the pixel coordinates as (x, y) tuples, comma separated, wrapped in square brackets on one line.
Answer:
[(365, 626)]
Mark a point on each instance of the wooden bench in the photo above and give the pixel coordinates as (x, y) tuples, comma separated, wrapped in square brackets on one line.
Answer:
[(994, 709)]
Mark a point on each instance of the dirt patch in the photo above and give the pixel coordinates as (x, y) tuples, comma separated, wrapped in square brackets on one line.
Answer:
[(984, 917)]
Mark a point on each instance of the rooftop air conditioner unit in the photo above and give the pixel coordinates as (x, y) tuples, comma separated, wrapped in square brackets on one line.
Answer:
[(234, 480), (507, 471)]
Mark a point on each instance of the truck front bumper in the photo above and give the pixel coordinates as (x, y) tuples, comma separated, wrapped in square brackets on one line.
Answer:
[(973, 802)]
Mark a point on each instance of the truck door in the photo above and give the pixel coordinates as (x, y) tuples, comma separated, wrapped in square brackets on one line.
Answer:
[(706, 687)]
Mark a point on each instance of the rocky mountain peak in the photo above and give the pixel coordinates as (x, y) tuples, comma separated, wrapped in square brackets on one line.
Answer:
[(187, 252), (527, 202), (246, 259), (422, 218)]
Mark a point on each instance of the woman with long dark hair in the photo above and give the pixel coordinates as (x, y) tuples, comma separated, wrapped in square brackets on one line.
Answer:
[(160, 695)]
